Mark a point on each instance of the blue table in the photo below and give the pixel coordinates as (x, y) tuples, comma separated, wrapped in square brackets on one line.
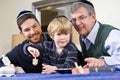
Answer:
[(91, 76)]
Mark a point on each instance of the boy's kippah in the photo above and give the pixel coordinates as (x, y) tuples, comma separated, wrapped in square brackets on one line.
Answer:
[(24, 12)]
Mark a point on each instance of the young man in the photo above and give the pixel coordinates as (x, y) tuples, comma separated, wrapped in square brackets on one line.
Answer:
[(30, 28)]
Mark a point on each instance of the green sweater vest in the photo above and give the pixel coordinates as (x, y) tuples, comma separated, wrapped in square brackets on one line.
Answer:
[(97, 49)]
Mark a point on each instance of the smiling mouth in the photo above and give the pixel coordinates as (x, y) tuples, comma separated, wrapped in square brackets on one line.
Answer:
[(79, 28), (35, 37)]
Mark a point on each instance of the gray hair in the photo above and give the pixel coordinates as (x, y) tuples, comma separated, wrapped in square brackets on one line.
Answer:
[(77, 5)]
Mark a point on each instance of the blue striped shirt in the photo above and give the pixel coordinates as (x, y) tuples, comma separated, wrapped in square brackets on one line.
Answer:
[(65, 59)]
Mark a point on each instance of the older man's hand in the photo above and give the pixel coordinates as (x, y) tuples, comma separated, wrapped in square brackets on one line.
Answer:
[(94, 62)]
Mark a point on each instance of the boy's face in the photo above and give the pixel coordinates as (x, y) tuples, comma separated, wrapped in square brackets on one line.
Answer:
[(61, 39), (31, 30)]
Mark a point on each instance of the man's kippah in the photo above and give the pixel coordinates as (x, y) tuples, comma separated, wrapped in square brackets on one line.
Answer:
[(23, 12), (86, 2)]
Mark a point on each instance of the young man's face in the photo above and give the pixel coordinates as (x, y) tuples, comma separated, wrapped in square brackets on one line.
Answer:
[(31, 30), (61, 39)]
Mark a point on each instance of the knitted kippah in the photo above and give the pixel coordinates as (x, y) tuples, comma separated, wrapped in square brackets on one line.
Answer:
[(24, 12)]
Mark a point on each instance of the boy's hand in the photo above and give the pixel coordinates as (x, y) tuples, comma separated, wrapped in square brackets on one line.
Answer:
[(48, 69), (76, 70)]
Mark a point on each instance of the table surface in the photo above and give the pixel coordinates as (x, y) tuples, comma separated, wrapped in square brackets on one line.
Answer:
[(91, 76)]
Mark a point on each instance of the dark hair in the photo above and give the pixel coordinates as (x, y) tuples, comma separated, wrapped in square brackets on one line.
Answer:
[(86, 2), (60, 16), (24, 15)]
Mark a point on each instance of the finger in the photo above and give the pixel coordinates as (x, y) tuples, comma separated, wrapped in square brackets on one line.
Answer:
[(88, 60), (43, 72), (86, 66), (30, 49), (43, 64), (36, 53), (95, 65), (31, 52), (44, 67), (91, 65)]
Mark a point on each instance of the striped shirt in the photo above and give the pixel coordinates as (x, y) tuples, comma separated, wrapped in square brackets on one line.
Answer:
[(65, 59)]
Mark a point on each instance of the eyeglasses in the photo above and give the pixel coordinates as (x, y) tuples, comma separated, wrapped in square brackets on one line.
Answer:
[(79, 19)]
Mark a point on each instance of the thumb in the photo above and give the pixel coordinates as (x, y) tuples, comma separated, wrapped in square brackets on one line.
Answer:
[(87, 59)]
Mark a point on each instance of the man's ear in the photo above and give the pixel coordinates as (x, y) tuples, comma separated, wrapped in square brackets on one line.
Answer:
[(21, 33), (94, 16)]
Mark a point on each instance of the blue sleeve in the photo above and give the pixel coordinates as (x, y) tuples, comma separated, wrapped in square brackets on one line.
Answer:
[(37, 46)]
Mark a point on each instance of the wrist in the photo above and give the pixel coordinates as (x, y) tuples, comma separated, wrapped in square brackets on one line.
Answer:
[(102, 61), (55, 68)]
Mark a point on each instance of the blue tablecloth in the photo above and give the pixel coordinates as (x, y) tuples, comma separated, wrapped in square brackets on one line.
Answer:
[(91, 76)]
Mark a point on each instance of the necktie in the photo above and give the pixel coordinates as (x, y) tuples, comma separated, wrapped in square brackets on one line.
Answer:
[(87, 43)]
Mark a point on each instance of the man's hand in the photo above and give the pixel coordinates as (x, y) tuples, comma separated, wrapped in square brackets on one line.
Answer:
[(33, 51), (94, 62)]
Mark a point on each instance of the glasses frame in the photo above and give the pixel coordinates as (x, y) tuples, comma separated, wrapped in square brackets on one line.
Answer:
[(79, 19)]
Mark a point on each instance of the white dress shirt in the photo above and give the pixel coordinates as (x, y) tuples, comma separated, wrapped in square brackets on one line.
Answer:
[(112, 45)]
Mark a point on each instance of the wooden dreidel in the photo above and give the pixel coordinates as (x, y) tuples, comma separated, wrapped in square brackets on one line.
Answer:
[(35, 61)]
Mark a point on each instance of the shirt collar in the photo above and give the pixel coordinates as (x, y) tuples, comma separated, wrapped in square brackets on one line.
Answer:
[(93, 34)]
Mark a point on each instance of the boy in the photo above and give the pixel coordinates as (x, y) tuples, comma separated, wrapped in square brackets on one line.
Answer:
[(61, 52)]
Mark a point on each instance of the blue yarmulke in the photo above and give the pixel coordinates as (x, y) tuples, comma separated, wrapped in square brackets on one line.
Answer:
[(23, 12)]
